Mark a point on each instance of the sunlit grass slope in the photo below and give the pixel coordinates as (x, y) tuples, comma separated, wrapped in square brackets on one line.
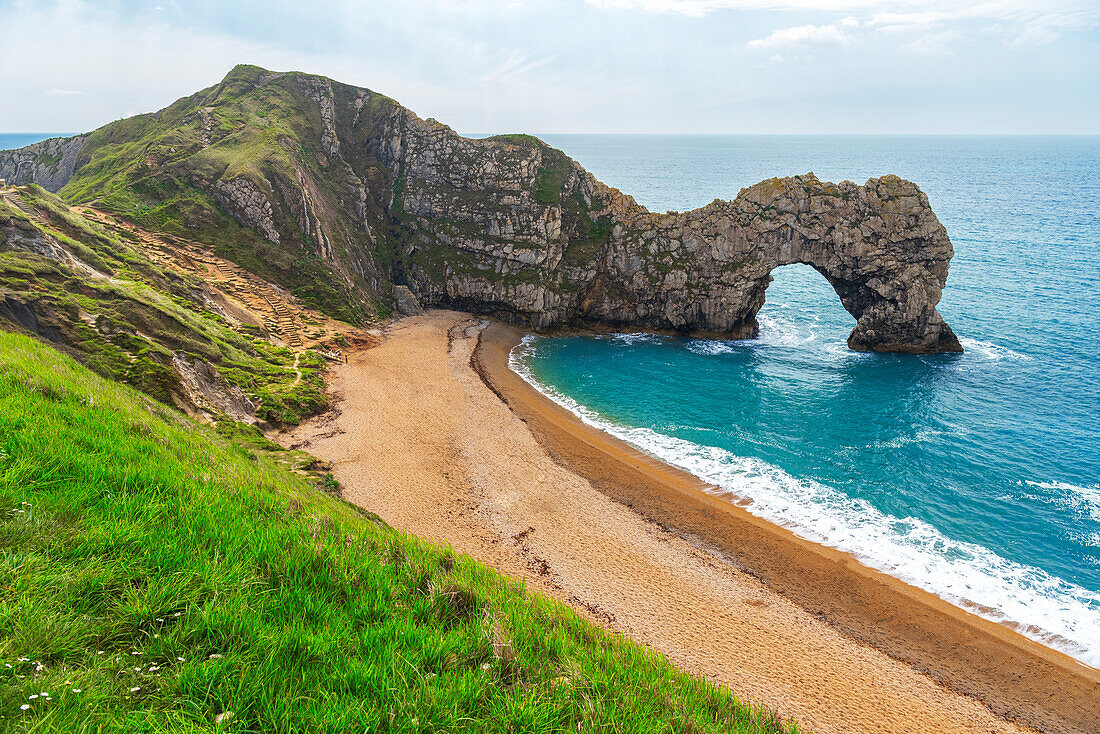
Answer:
[(155, 577)]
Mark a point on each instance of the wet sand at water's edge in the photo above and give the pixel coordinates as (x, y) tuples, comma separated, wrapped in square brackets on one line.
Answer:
[(437, 436)]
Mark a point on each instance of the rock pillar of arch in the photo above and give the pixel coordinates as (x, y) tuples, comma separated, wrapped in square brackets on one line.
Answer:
[(885, 254)]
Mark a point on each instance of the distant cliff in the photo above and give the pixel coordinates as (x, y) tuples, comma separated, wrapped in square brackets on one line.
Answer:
[(49, 163), (341, 194)]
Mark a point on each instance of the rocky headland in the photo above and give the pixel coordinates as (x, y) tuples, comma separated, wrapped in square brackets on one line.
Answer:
[(358, 206)]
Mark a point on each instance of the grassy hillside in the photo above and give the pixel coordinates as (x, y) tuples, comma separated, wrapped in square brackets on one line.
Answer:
[(159, 171), (155, 576), (132, 320)]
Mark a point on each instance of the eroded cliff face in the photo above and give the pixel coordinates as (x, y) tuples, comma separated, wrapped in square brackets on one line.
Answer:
[(49, 163), (520, 230), (879, 245), (511, 227)]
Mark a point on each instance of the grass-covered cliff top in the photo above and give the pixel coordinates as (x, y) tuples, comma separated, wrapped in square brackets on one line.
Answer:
[(155, 576)]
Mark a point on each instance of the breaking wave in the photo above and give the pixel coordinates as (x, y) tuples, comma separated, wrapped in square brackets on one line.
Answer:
[(1039, 605)]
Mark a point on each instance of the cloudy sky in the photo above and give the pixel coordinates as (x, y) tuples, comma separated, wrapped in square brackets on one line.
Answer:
[(546, 66)]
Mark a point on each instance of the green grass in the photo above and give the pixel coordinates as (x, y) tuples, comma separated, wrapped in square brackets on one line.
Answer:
[(128, 328), (156, 172), (551, 176), (155, 575)]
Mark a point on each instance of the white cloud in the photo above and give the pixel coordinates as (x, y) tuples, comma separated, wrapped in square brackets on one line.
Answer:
[(802, 36), (502, 65), (933, 44), (1036, 35), (903, 22), (955, 8), (698, 8)]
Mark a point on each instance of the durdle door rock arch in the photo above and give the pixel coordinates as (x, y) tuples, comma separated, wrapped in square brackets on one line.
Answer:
[(392, 205), (879, 245)]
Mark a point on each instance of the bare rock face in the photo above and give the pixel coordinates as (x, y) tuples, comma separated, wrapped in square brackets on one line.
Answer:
[(49, 163), (521, 231), (249, 204), (879, 245), (405, 302)]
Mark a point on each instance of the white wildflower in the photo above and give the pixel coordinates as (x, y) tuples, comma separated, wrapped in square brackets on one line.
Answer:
[(25, 706), (33, 696), (135, 689), (76, 690)]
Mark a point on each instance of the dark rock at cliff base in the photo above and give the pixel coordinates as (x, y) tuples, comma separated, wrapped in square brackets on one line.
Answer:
[(405, 302), (357, 193)]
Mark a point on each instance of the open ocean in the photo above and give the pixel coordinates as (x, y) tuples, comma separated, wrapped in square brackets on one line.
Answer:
[(974, 476)]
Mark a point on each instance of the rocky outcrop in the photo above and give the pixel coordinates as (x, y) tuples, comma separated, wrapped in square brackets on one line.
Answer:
[(879, 245), (511, 227), (405, 302), (49, 163), (249, 204)]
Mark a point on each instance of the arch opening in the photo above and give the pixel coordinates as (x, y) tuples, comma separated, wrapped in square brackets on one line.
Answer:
[(801, 305)]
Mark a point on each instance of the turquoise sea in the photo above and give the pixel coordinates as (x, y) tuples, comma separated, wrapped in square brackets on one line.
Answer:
[(9, 141), (975, 476)]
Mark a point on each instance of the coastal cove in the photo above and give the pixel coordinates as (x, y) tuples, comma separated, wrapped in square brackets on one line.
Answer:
[(421, 439), (966, 652), (731, 412), (973, 477), (595, 367)]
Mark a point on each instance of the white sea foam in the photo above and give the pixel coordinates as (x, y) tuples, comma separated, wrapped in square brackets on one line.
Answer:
[(1044, 607), (710, 347), (639, 338), (778, 331), (1085, 498), (925, 434), (991, 351)]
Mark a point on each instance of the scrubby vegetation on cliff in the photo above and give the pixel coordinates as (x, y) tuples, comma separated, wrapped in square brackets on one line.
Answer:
[(161, 172), (99, 295), (156, 576)]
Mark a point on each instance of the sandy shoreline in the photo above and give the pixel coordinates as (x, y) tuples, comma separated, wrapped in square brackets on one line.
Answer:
[(525, 486)]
